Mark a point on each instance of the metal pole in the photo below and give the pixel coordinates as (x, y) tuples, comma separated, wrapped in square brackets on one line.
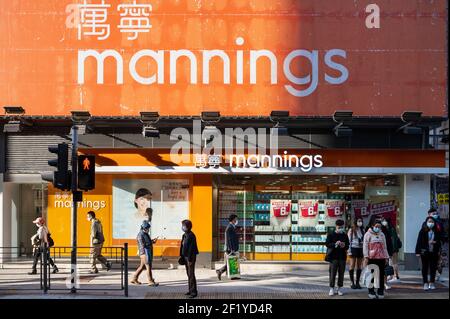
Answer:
[(73, 255), (126, 268)]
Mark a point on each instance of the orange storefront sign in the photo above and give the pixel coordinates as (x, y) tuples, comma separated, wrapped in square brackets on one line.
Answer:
[(242, 57)]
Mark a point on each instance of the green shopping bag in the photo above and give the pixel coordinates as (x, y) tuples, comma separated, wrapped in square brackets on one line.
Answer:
[(233, 268)]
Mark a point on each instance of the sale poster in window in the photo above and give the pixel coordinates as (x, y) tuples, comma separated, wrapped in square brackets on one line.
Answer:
[(308, 208), (335, 208), (280, 213)]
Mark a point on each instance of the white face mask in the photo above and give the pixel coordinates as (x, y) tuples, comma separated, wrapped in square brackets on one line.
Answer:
[(183, 228), (359, 224), (236, 223), (384, 223)]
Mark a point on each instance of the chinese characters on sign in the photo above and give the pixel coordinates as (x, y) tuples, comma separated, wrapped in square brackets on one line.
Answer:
[(205, 160), (91, 19)]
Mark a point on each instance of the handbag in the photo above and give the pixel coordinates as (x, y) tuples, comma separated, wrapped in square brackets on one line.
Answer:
[(389, 271), (182, 261)]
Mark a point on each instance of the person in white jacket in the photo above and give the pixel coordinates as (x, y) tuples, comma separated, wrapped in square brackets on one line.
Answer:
[(40, 242), (375, 253)]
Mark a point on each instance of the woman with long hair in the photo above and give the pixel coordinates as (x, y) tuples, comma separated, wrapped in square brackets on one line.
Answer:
[(356, 256)]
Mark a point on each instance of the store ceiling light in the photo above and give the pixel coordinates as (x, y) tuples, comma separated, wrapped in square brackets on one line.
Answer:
[(210, 116), (14, 110), (411, 118), (80, 117), (342, 116), (149, 117), (150, 132)]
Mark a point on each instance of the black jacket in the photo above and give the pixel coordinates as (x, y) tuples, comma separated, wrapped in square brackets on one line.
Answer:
[(232, 240), (389, 244), (188, 248), (337, 253), (422, 246)]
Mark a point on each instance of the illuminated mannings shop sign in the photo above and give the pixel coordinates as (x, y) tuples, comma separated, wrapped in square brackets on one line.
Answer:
[(305, 162)]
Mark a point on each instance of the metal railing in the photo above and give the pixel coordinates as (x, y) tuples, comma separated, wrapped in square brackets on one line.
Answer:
[(15, 263)]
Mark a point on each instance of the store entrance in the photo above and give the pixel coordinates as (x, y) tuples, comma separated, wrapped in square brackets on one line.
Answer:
[(289, 217)]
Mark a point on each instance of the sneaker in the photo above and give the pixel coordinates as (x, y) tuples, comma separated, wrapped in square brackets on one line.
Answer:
[(339, 292), (33, 272), (331, 293), (353, 286), (153, 284), (431, 286), (94, 271), (219, 275), (387, 287), (426, 287), (393, 280), (55, 270), (380, 296), (108, 266), (372, 296)]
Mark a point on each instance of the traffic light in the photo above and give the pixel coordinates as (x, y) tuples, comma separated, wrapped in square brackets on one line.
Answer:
[(86, 172), (61, 177)]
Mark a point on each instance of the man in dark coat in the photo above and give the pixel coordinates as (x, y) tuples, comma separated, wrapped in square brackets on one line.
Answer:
[(188, 253), (231, 242)]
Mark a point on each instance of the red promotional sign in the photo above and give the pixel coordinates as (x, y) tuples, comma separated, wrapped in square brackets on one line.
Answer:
[(308, 208), (280, 208), (335, 208), (387, 210), (361, 208)]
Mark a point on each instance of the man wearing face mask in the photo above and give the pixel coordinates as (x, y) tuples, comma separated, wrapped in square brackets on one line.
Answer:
[(188, 256), (97, 240), (337, 244), (375, 253), (231, 242)]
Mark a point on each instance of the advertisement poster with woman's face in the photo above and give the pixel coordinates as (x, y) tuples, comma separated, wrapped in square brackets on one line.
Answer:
[(165, 203)]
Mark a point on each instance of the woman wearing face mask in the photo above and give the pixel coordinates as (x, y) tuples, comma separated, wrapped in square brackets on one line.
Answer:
[(145, 248), (427, 247), (337, 244), (356, 236), (396, 245), (375, 253), (188, 254)]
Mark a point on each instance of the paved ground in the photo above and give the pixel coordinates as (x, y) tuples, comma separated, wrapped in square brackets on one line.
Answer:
[(259, 281)]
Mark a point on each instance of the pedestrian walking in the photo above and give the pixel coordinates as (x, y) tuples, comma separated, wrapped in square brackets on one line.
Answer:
[(396, 244), (41, 241), (355, 253), (231, 242), (375, 253), (97, 239), (337, 245), (145, 249), (443, 252), (188, 256), (427, 248)]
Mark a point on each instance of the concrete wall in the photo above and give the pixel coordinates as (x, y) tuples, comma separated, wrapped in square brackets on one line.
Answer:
[(416, 202)]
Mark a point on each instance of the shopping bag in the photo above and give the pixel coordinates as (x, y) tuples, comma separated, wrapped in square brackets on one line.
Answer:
[(370, 273), (233, 267)]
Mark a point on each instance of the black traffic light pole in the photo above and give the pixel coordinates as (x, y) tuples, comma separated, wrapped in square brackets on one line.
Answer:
[(73, 255)]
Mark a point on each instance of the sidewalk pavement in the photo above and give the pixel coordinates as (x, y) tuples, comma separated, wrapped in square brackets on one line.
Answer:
[(259, 281)]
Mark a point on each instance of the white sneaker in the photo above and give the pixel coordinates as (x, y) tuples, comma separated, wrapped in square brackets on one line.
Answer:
[(331, 293), (372, 296), (431, 286), (339, 292), (393, 280), (387, 287), (380, 296), (426, 286)]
